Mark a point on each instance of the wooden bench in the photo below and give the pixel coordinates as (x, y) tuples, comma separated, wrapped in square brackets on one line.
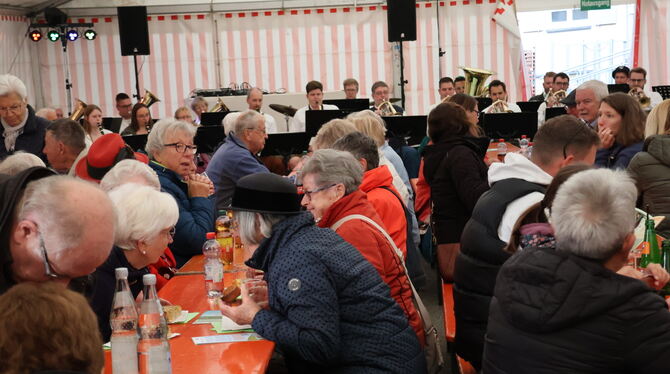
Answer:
[(458, 364)]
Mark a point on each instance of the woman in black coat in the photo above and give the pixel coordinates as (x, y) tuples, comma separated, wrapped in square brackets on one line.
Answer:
[(455, 170)]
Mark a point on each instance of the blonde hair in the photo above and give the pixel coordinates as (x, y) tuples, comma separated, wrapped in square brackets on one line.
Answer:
[(330, 132), (370, 124)]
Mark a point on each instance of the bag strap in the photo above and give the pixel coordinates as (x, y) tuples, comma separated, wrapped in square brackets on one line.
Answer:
[(427, 322)]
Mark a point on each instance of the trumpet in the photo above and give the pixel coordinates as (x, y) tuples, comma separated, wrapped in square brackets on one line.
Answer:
[(554, 98), (149, 98), (499, 106), (220, 106), (638, 94), (387, 109), (79, 109)]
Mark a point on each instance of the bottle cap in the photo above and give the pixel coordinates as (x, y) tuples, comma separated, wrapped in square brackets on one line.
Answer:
[(149, 279), (501, 140), (211, 235), (121, 273), (523, 136)]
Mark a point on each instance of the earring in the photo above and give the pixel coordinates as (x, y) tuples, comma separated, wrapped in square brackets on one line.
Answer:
[(144, 252)]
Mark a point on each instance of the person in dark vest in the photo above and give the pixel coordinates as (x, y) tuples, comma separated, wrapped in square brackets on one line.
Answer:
[(516, 185)]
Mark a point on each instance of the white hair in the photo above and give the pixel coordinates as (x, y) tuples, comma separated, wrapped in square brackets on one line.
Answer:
[(250, 224), (128, 171), (162, 129), (247, 120), (19, 162), (331, 167), (44, 112), (599, 88), (593, 212), (142, 212), (11, 84)]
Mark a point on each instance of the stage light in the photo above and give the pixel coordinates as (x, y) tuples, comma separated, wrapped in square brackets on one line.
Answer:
[(90, 34), (53, 35), (35, 35), (72, 35)]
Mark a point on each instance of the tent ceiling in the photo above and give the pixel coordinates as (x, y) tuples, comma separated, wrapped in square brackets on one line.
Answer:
[(93, 7)]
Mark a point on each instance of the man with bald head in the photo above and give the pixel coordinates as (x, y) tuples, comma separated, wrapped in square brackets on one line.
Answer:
[(52, 228), (255, 102)]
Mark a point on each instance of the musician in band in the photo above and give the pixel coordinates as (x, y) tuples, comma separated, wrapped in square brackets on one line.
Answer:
[(124, 106), (459, 84), (621, 75), (498, 91), (638, 78), (350, 88), (315, 102), (561, 82), (380, 94), (446, 89), (254, 102), (547, 84)]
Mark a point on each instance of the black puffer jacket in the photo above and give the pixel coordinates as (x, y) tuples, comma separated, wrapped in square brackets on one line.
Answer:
[(456, 173), (554, 312), (31, 139)]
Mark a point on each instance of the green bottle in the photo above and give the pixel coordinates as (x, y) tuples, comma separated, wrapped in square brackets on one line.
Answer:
[(654, 250), (666, 255), (645, 257)]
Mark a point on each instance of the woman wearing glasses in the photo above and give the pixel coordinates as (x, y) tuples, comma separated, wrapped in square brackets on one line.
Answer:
[(171, 150), (144, 227), (140, 121), (621, 131)]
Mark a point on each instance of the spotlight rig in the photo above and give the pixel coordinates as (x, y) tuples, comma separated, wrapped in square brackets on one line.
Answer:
[(57, 28)]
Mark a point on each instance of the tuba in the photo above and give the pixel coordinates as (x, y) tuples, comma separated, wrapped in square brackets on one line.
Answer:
[(638, 94), (386, 109), (499, 106), (220, 106), (474, 80), (554, 98), (149, 99), (78, 111)]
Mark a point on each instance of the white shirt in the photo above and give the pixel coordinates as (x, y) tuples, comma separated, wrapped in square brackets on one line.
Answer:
[(655, 97), (512, 106), (297, 124), (229, 122), (124, 124)]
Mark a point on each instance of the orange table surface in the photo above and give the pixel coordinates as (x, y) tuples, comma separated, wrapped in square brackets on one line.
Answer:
[(188, 291), (492, 151), (196, 263)]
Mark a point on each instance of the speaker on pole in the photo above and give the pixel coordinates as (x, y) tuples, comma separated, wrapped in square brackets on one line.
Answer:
[(133, 30), (401, 19)]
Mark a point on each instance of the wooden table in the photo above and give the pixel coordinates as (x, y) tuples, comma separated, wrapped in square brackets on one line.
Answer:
[(188, 291), (492, 151)]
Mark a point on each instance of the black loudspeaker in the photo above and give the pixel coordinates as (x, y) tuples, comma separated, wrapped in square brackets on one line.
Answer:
[(133, 30), (401, 19), (55, 16)]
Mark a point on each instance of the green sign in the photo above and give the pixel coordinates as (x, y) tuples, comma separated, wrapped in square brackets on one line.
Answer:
[(595, 4)]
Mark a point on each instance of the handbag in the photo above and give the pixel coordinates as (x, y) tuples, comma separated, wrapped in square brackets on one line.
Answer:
[(432, 352)]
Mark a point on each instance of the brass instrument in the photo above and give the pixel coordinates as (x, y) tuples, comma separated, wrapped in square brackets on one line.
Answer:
[(445, 99), (554, 98), (220, 106), (149, 99), (78, 111), (387, 109), (499, 106), (474, 81), (638, 94)]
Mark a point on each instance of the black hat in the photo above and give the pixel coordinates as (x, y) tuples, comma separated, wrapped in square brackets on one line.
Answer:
[(621, 69), (570, 99), (266, 193)]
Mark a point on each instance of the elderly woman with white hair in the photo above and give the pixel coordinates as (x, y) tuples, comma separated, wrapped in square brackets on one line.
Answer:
[(145, 226), (21, 128), (566, 309), (328, 310), (19, 162), (171, 150)]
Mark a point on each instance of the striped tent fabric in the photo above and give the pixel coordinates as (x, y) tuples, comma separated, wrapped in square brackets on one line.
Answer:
[(17, 51), (654, 43)]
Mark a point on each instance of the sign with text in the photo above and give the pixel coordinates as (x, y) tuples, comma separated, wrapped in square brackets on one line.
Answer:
[(595, 4)]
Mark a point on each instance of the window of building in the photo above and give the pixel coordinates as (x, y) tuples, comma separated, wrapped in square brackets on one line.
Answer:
[(559, 16), (578, 14)]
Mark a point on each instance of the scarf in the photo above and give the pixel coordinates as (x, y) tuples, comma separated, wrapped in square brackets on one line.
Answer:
[(12, 133)]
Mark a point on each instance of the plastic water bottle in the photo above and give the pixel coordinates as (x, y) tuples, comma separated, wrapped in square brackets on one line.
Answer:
[(529, 151), (123, 320), (502, 150), (224, 236), (213, 266), (523, 144), (154, 347)]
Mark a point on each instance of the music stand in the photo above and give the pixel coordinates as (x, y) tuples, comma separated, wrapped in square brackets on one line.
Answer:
[(350, 105), (136, 142), (409, 128), (208, 138), (112, 124), (483, 103), (510, 126), (529, 106), (554, 112), (213, 118), (623, 87), (663, 90), (314, 119), (285, 144)]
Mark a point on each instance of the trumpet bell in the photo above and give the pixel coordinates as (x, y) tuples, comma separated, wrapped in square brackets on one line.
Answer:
[(78, 111), (149, 98), (638, 94), (499, 106), (386, 109), (474, 80)]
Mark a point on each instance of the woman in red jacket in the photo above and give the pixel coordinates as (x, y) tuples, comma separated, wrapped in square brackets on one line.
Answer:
[(330, 181)]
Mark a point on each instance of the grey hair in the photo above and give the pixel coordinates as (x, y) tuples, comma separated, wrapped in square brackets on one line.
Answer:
[(162, 129), (142, 212), (197, 100), (12, 84), (593, 212), (247, 120), (331, 167), (18, 162), (250, 224), (45, 111), (599, 88), (127, 169), (370, 124)]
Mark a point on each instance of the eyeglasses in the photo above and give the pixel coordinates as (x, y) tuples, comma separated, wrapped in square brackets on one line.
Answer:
[(262, 131), (637, 80), (308, 194), (16, 109), (574, 136), (49, 271), (181, 147)]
